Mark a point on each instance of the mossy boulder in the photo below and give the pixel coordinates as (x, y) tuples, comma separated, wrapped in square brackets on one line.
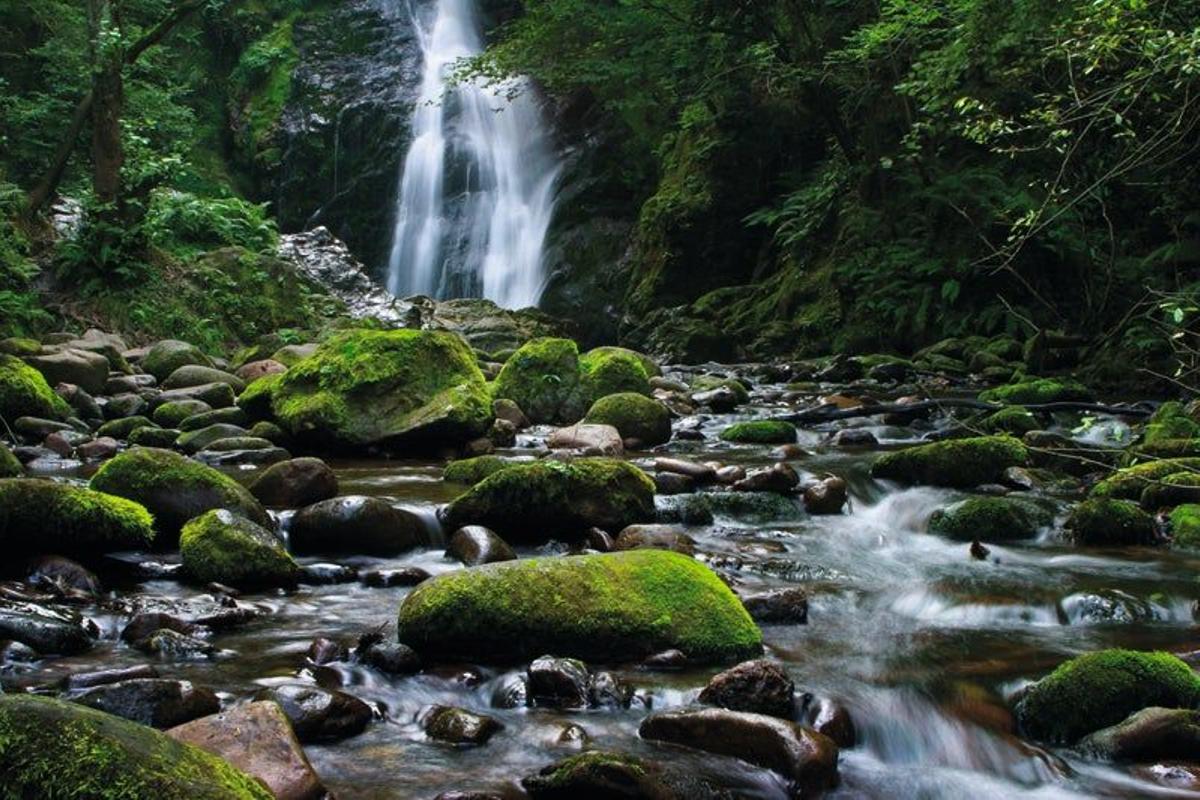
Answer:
[(1015, 420), (171, 415), (55, 750), (1037, 391), (1104, 522), (154, 436), (706, 383), (648, 364), (384, 388), (41, 516), (256, 400), (166, 356), (958, 463), (543, 378), (1129, 483), (222, 547), (1101, 689), (194, 441), (616, 606), (1173, 490), (529, 503), (1185, 526), (10, 467), (611, 370), (762, 431), (634, 416), (25, 393), (175, 489), (992, 519), (471, 471)]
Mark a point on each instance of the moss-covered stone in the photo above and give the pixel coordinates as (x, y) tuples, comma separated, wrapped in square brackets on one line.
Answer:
[(1037, 391), (172, 415), (1100, 689), (19, 346), (46, 517), (256, 400), (226, 548), (1175, 489), (471, 471), (615, 606), (543, 377), (608, 370), (634, 416), (1103, 521), (122, 428), (992, 519), (10, 467), (54, 750), (154, 437), (958, 463), (1170, 421), (25, 393), (196, 440), (385, 388), (1185, 526), (175, 489), (166, 356), (648, 364), (763, 431), (219, 416), (1163, 448), (1129, 483), (706, 383), (1015, 420), (534, 502)]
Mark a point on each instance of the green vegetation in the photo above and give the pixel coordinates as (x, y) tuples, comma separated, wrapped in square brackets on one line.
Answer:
[(44, 516), (1102, 521), (1185, 526), (471, 471), (760, 432), (10, 467), (543, 378), (1129, 483), (1042, 390), (1014, 420), (25, 393), (223, 547), (990, 519), (634, 416), (1100, 689), (959, 463), (623, 606)]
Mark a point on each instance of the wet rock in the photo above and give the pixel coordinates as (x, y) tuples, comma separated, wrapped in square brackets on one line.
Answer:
[(805, 757), (635, 416), (573, 736), (979, 551), (655, 537), (602, 440), (318, 715), (146, 623), (85, 680), (257, 739), (227, 548), (828, 496), (35, 429), (673, 483), (994, 519), (599, 540), (100, 449), (458, 726), (60, 574), (959, 463), (392, 658), (510, 412), (666, 661), (387, 578), (831, 719), (325, 651), (503, 433), (1152, 734), (174, 646), (88, 371), (721, 400), (82, 403), (474, 545), (254, 370), (295, 483), (558, 683), (195, 375), (730, 475), (760, 432), (124, 406), (606, 690), (600, 774), (355, 524), (158, 702), (779, 478), (327, 574), (759, 686), (63, 443), (1101, 522), (512, 692), (216, 395), (16, 653), (47, 632)]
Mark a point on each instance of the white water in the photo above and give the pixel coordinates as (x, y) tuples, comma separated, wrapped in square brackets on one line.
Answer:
[(477, 190)]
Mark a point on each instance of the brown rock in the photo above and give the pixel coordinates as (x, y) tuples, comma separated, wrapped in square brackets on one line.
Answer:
[(759, 686)]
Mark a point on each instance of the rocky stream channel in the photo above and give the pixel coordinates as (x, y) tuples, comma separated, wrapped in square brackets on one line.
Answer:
[(905, 633)]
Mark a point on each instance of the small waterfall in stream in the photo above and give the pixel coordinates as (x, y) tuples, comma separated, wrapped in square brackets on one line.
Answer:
[(477, 188)]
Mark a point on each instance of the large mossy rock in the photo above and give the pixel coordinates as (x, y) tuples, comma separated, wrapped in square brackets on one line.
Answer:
[(1185, 526), (384, 388), (1101, 689), (762, 431), (25, 393), (175, 489), (612, 370), (222, 547), (958, 463), (990, 519), (54, 750), (41, 516), (1105, 522), (1037, 391), (166, 356), (1131, 482), (615, 607), (531, 503), (543, 378), (634, 415)]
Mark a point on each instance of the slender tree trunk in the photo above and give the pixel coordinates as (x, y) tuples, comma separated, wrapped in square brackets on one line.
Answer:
[(108, 99)]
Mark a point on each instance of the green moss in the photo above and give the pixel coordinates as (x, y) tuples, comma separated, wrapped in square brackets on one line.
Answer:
[(43, 516), (263, 78), (473, 470), (18, 346), (1185, 526), (543, 377), (1129, 483), (1100, 689), (764, 431), (616, 606), (174, 488), (1170, 421), (648, 364), (54, 750), (1037, 391), (608, 371), (10, 467), (588, 772), (1014, 419), (1177, 488), (122, 428), (154, 437), (1102, 521), (223, 547), (170, 415), (533, 502), (256, 399), (634, 416), (706, 383), (1164, 448), (366, 387), (992, 519), (958, 463), (25, 393), (166, 356)]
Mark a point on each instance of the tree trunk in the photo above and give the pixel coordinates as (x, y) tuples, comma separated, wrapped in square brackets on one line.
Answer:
[(108, 98)]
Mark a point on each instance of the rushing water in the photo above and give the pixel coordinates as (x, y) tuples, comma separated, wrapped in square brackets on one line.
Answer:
[(477, 189), (923, 644)]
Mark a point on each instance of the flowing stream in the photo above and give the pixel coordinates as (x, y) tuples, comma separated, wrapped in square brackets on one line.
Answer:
[(477, 188)]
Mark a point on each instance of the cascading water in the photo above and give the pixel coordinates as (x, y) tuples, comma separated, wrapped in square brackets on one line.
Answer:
[(477, 188)]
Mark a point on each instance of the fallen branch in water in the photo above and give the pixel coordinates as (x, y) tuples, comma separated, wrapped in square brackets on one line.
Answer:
[(830, 412)]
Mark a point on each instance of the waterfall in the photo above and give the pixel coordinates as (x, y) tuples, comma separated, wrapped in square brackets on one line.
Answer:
[(477, 186)]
